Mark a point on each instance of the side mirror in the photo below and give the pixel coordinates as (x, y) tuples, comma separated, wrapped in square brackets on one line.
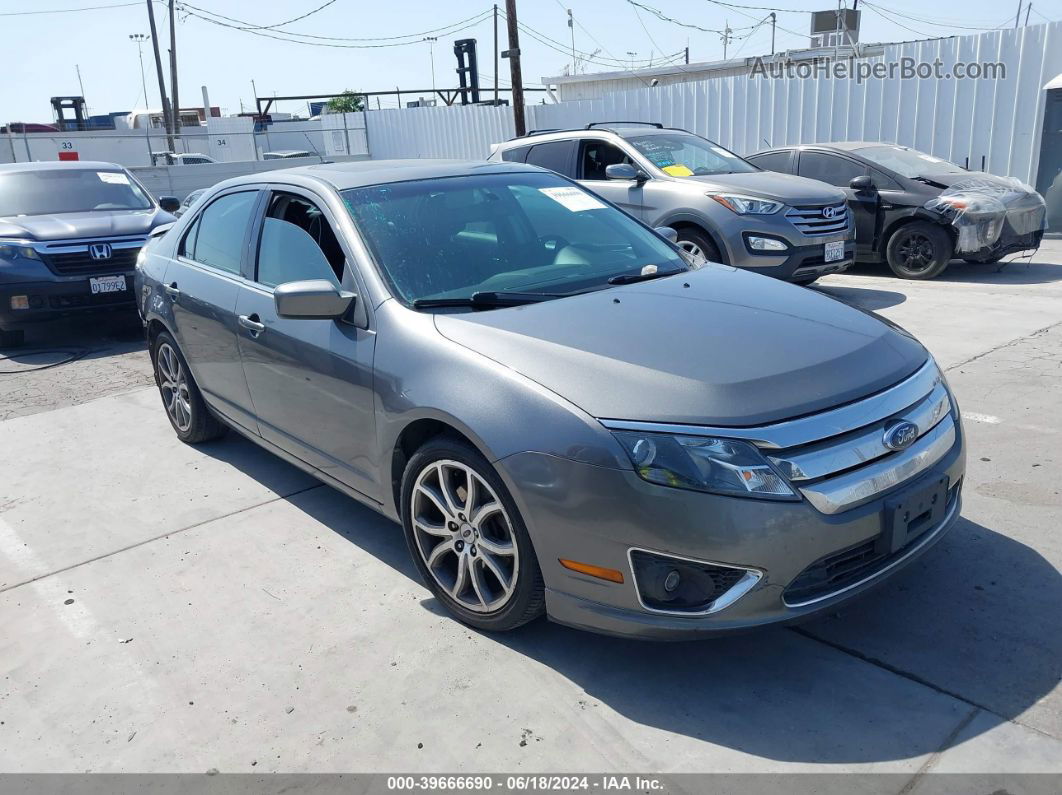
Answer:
[(170, 204), (863, 184), (313, 298), (625, 171), (668, 232)]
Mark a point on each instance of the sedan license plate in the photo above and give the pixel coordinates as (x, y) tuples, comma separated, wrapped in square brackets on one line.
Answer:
[(834, 251), (911, 513), (107, 284)]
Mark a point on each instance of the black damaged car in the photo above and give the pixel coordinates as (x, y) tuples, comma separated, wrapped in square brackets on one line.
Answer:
[(70, 234), (915, 211)]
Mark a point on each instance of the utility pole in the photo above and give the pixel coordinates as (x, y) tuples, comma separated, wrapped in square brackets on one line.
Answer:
[(687, 56), (166, 117), (495, 53), (774, 19), (176, 107), (513, 54), (80, 84), (571, 27), (1028, 9), (1018, 15), (726, 37), (431, 52), (140, 38)]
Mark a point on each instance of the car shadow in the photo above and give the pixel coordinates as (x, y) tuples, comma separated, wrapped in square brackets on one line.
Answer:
[(83, 336), (888, 677), (862, 297), (1032, 270)]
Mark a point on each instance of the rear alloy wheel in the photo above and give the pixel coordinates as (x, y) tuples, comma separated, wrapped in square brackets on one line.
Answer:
[(919, 250), (188, 414), (467, 539), (698, 246)]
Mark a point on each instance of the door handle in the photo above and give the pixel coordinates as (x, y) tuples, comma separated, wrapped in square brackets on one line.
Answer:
[(252, 324), (172, 291)]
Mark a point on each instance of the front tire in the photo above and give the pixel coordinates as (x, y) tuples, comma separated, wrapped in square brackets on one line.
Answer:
[(188, 413), (919, 250), (467, 538), (698, 245)]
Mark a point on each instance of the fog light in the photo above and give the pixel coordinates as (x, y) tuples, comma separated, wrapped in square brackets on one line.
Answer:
[(757, 243), (677, 585), (671, 581), (20, 302)]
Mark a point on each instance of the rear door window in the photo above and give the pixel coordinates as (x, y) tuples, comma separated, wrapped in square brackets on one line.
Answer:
[(218, 234), (554, 155)]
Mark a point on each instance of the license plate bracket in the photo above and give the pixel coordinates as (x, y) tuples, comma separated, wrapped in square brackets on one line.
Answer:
[(833, 251), (911, 513)]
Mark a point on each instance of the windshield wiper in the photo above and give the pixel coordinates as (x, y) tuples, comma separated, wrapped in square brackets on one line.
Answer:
[(631, 278), (487, 299)]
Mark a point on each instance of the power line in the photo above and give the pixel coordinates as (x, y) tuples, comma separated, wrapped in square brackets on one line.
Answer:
[(65, 10), (664, 18), (922, 20)]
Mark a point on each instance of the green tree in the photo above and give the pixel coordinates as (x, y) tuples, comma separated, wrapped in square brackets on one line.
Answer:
[(347, 102)]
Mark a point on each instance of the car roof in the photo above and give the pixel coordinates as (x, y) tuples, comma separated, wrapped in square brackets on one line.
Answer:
[(841, 146), (357, 174), (621, 130), (55, 165)]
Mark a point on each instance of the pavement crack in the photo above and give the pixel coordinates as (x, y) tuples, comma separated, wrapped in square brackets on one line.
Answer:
[(1003, 345), (168, 533), (949, 741)]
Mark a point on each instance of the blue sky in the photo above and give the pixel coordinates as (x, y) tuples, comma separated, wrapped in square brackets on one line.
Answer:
[(42, 50)]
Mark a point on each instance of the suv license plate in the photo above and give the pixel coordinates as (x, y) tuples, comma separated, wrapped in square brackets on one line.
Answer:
[(107, 284), (911, 513), (834, 251)]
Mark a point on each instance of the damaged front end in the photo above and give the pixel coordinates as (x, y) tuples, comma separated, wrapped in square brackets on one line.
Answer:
[(992, 216)]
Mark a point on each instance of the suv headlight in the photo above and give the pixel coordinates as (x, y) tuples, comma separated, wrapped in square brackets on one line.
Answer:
[(703, 463), (746, 205), (13, 249)]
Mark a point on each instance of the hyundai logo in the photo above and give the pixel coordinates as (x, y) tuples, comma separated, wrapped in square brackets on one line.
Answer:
[(900, 435), (827, 212), (100, 251)]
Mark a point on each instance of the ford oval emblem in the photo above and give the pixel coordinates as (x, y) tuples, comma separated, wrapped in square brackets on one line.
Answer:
[(900, 435)]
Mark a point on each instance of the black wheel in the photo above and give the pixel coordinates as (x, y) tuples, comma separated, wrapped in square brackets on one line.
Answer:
[(467, 538), (188, 414), (918, 250), (698, 245), (11, 339), (990, 259), (804, 281)]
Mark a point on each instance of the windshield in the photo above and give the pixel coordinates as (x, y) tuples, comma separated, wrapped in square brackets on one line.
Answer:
[(686, 155), (453, 237), (68, 190), (908, 162)]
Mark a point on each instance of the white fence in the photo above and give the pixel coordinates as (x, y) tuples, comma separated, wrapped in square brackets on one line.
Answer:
[(961, 120)]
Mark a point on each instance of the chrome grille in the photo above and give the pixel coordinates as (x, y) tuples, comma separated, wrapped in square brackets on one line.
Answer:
[(73, 257), (819, 219)]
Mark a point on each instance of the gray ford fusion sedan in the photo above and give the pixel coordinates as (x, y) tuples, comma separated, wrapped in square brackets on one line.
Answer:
[(564, 414)]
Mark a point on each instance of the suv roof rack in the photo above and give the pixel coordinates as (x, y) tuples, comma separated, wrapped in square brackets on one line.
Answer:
[(594, 124)]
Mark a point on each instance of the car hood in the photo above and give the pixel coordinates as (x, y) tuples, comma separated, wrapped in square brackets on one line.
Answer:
[(786, 188), (94, 223), (731, 348)]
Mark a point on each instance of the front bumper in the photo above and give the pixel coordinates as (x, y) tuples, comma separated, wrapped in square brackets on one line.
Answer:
[(796, 263), (58, 297), (597, 515)]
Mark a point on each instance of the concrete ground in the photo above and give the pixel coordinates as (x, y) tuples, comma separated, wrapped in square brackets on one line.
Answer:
[(168, 608)]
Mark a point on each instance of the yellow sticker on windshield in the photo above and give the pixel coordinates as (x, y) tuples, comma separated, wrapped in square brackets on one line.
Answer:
[(678, 171)]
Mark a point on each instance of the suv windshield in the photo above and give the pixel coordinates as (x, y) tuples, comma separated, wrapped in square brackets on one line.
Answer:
[(69, 190), (908, 162), (530, 233), (686, 155)]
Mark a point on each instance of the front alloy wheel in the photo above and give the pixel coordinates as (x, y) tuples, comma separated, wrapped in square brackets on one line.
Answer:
[(467, 538), (464, 536)]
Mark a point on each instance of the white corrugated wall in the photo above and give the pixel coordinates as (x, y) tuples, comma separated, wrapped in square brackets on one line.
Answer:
[(999, 120)]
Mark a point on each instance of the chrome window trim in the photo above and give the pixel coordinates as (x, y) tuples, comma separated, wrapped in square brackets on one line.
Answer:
[(864, 484), (813, 428), (840, 454), (736, 591), (926, 538)]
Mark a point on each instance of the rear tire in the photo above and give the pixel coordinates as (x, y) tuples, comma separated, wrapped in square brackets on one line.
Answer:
[(697, 244), (11, 339), (919, 250), (469, 543), (189, 415)]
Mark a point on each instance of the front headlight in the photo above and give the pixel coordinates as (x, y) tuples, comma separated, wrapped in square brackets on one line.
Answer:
[(746, 205), (13, 249), (701, 463)]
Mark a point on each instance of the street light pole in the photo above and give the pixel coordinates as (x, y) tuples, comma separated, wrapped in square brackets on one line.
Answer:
[(140, 38), (431, 52)]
